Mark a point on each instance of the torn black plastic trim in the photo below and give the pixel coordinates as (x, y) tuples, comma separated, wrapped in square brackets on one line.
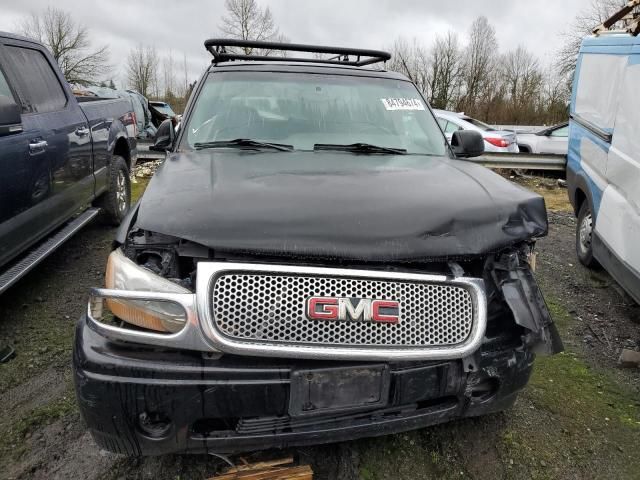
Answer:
[(514, 279), (126, 224)]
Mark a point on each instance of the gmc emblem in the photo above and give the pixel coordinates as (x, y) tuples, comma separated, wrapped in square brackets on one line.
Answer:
[(353, 309)]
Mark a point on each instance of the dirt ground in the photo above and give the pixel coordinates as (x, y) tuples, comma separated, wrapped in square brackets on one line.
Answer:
[(579, 418)]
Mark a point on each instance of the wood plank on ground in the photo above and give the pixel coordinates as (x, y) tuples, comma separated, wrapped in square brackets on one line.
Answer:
[(280, 469)]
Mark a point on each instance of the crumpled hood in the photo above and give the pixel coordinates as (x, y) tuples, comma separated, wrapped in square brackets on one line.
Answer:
[(338, 205)]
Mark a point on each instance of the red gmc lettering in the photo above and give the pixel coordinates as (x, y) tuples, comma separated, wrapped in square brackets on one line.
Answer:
[(376, 316), (356, 309), (322, 308)]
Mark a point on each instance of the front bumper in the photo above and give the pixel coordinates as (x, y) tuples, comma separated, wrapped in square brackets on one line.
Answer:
[(142, 400)]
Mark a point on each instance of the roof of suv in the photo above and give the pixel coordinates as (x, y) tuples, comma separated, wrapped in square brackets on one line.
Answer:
[(314, 68)]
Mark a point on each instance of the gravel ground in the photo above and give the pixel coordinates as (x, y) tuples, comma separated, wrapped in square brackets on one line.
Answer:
[(578, 419)]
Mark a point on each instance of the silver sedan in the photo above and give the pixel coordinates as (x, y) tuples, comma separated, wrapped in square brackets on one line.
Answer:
[(494, 140), (550, 140)]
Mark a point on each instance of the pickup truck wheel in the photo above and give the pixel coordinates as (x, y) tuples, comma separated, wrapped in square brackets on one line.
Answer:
[(116, 201), (584, 236)]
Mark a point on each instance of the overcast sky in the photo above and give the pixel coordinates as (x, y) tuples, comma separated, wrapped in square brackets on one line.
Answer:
[(182, 26)]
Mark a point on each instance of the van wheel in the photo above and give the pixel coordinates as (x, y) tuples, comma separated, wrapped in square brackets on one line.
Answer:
[(116, 201), (584, 236)]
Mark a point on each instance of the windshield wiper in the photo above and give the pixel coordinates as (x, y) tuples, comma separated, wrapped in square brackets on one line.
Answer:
[(243, 143), (359, 148)]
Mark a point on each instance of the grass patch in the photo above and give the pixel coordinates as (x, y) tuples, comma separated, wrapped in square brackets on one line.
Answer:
[(587, 423), (138, 188), (555, 197), (410, 455), (42, 339), (12, 442), (582, 394)]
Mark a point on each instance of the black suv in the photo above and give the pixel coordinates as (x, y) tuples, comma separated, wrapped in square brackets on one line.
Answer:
[(312, 263)]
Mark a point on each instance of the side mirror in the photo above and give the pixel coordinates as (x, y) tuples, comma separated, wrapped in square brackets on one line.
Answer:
[(164, 137), (467, 143), (10, 116)]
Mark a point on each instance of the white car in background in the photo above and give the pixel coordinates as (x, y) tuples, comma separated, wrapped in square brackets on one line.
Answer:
[(550, 140), (494, 140)]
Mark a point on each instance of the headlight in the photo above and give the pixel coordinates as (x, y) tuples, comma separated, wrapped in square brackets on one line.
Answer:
[(123, 274)]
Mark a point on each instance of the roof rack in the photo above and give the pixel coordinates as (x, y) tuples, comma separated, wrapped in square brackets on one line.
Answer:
[(220, 49), (629, 15)]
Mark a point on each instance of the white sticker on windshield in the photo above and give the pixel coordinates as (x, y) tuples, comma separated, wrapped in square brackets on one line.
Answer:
[(402, 103)]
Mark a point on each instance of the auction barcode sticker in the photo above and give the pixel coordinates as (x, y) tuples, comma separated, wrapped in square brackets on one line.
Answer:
[(402, 103)]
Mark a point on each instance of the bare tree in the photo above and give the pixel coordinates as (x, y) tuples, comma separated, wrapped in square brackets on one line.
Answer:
[(69, 43), (498, 88), (186, 80), (410, 59), (142, 70), (555, 96), (592, 16), (169, 76), (480, 58), (524, 81), (445, 71), (246, 20)]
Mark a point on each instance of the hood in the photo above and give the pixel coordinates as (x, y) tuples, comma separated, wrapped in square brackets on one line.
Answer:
[(337, 205)]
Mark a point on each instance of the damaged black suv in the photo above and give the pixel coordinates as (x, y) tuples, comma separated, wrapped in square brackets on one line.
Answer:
[(313, 262)]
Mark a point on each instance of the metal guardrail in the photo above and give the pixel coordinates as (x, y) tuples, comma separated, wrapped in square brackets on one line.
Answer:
[(523, 161)]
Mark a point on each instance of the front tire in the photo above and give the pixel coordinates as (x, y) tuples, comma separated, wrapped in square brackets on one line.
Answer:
[(116, 201), (584, 236)]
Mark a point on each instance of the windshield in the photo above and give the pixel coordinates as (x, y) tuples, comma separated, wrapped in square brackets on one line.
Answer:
[(305, 110)]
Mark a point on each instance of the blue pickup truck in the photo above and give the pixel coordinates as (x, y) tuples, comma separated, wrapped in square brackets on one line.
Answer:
[(63, 160), (603, 167)]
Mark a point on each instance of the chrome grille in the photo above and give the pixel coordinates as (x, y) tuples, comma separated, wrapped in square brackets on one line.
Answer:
[(269, 307)]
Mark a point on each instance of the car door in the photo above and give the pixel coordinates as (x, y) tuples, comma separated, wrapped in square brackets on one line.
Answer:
[(51, 159), (555, 142), (15, 176), (618, 222)]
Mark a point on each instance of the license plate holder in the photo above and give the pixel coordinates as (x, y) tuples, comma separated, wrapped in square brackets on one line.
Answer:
[(345, 389)]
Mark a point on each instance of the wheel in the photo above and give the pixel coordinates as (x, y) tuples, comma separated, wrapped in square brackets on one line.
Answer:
[(584, 236), (116, 201)]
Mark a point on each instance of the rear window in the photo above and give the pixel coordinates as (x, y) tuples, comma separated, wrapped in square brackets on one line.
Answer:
[(39, 85), (598, 88), (477, 123)]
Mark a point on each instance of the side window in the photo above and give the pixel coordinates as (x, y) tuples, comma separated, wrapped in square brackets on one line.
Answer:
[(599, 87), (4, 86), (442, 122), (451, 127), (561, 132), (38, 82)]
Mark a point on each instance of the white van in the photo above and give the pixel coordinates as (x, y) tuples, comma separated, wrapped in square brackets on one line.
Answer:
[(603, 168)]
